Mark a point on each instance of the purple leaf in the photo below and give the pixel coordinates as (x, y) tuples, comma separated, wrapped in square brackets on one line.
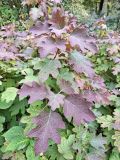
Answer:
[(7, 51), (55, 100), (81, 64), (97, 96), (77, 107), (84, 42), (65, 86), (4, 55), (58, 17), (47, 125), (50, 46), (39, 29), (7, 31), (35, 92), (58, 32)]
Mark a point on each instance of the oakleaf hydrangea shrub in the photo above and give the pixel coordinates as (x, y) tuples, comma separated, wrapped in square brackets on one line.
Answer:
[(54, 102)]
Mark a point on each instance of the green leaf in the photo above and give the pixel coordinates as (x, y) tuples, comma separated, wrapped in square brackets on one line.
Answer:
[(4, 105), (33, 110), (9, 95), (17, 144), (116, 138), (98, 142), (65, 148), (2, 120), (29, 77), (49, 67), (18, 156), (66, 75), (106, 121), (0, 83), (114, 156), (52, 84), (18, 106), (53, 154), (14, 156), (30, 154), (15, 139)]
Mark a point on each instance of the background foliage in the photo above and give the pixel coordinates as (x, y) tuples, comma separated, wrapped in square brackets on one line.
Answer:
[(59, 81)]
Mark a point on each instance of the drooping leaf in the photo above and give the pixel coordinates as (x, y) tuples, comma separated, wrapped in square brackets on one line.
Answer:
[(47, 125), (35, 92), (77, 107)]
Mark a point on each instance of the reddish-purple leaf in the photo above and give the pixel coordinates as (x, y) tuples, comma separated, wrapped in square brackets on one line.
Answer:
[(50, 46), (77, 107), (58, 32), (97, 96), (35, 92), (98, 83), (7, 51), (39, 29), (47, 125), (81, 64), (4, 55), (80, 39), (58, 17), (8, 30), (65, 86), (55, 100)]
